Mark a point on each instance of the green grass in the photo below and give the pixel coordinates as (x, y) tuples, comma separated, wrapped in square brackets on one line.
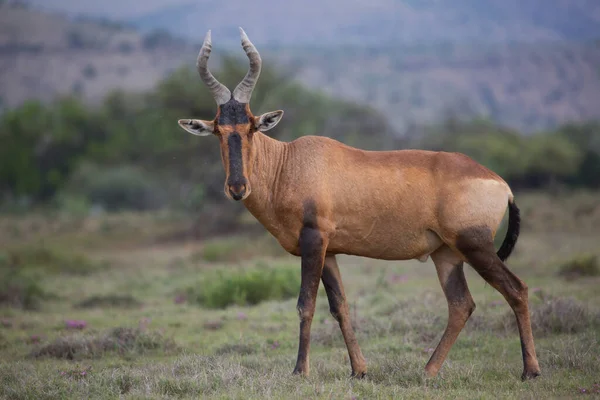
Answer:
[(238, 249), (246, 286), (142, 341)]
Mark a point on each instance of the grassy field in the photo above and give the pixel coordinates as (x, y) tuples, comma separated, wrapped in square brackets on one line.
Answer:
[(99, 308)]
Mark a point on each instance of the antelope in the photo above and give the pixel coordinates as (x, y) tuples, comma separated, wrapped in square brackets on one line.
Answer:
[(320, 198)]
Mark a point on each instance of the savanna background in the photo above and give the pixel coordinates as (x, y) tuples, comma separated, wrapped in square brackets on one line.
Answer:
[(125, 272)]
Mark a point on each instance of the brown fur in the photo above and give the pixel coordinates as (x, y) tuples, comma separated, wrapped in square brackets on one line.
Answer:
[(320, 198), (392, 205)]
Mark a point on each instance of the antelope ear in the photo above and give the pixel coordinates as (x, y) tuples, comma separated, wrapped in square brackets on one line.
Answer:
[(268, 120), (197, 126)]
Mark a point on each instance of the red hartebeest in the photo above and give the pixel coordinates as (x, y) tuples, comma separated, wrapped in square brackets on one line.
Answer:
[(320, 198)]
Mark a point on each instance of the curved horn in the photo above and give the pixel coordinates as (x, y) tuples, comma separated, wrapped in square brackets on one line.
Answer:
[(221, 94), (243, 90)]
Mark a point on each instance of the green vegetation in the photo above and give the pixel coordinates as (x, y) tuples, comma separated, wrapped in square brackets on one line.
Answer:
[(140, 338), (109, 301), (239, 248), (123, 341), (585, 265), (247, 286), (129, 153), (97, 236), (569, 156), (48, 260), (20, 289)]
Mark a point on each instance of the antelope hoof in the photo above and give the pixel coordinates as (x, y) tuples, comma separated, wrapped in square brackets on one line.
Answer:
[(431, 372), (359, 375), (300, 371), (527, 375)]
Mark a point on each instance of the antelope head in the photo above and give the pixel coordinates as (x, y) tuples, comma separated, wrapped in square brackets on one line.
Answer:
[(234, 123)]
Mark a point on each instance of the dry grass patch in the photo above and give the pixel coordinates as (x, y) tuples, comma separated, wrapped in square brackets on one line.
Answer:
[(557, 315), (122, 341), (109, 301)]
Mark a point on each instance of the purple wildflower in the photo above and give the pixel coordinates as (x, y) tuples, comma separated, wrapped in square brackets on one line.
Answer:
[(144, 322), (396, 278), (75, 324), (34, 339)]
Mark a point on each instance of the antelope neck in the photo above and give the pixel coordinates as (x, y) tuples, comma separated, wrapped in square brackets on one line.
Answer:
[(269, 158)]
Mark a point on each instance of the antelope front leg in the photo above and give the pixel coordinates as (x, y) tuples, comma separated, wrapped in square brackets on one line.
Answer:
[(338, 306), (312, 249)]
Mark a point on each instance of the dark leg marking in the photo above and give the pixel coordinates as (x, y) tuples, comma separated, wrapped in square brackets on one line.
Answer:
[(477, 246), (450, 272), (338, 306), (312, 250)]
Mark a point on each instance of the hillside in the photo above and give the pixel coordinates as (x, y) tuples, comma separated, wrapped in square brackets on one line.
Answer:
[(43, 55), (374, 22), (528, 86)]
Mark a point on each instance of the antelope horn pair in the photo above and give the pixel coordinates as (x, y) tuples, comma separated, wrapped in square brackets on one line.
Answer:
[(243, 90)]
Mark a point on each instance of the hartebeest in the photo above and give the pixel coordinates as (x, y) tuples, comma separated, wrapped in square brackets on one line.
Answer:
[(320, 198)]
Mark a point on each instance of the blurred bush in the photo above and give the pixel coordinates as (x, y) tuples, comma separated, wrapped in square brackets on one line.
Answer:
[(109, 301), (247, 286), (113, 188), (20, 289), (581, 266), (557, 315), (129, 153), (48, 260), (568, 156)]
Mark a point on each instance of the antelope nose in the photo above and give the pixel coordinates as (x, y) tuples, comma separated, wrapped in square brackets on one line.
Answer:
[(237, 191)]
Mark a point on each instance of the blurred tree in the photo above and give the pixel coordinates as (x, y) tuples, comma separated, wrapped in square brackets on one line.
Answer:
[(136, 148)]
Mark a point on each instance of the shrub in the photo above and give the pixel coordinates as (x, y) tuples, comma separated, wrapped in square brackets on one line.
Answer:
[(20, 289), (583, 265), (109, 301), (558, 315), (49, 260), (124, 341), (246, 286), (117, 188)]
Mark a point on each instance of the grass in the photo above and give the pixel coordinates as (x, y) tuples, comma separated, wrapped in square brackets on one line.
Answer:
[(21, 289), (238, 248), (123, 341), (109, 301), (49, 260), (139, 339), (225, 287)]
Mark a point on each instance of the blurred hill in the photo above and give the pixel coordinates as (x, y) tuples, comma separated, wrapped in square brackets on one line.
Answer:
[(528, 87), (375, 22), (43, 55), (529, 65)]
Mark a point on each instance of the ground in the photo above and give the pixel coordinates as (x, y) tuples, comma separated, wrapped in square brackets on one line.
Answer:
[(124, 321)]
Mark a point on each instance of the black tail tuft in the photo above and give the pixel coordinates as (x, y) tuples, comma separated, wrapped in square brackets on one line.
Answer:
[(514, 226)]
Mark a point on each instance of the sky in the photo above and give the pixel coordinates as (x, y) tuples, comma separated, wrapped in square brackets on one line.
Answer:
[(118, 9)]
